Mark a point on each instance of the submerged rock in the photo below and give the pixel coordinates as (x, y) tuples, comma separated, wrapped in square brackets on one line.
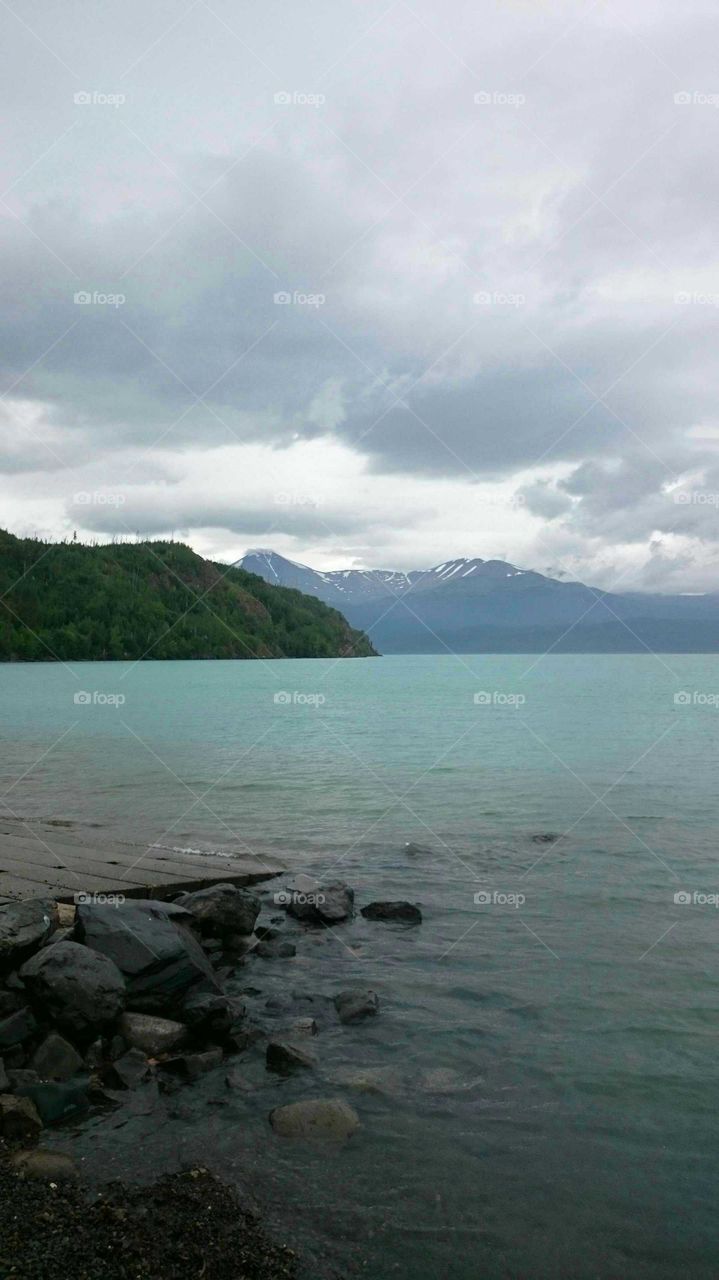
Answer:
[(222, 910), (354, 1006), (406, 912), (153, 947), (24, 926), (316, 1119), (56, 1102), (78, 987), (50, 1166), (284, 1058), (275, 950)]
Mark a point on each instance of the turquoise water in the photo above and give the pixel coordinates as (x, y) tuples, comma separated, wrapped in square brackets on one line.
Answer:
[(544, 1096)]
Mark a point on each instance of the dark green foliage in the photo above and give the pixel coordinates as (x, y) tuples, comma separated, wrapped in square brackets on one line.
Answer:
[(67, 601)]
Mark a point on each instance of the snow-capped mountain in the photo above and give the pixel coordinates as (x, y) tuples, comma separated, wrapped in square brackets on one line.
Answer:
[(474, 605)]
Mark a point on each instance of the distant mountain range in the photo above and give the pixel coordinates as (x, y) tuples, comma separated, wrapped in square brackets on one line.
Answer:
[(491, 606)]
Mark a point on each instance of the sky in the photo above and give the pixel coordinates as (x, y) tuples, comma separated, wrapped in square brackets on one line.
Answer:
[(374, 285)]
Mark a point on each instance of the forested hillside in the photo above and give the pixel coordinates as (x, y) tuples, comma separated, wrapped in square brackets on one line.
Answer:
[(68, 601)]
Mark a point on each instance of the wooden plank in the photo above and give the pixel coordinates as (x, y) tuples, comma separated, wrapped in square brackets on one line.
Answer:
[(29, 867)]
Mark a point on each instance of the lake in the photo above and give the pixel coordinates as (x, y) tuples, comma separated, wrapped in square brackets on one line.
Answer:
[(540, 1086)]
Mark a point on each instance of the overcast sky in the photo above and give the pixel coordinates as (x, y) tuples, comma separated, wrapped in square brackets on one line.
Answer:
[(496, 224)]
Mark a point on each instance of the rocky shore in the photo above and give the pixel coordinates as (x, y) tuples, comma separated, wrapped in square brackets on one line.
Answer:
[(100, 999)]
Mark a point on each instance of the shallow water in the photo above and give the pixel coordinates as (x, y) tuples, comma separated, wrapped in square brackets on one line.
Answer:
[(542, 1101)]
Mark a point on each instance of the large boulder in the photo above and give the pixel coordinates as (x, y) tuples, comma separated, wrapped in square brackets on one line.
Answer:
[(222, 910), (405, 912), (24, 926), (79, 988), (323, 1119), (153, 946), (316, 902)]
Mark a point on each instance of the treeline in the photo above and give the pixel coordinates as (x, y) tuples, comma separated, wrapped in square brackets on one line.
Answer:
[(71, 602)]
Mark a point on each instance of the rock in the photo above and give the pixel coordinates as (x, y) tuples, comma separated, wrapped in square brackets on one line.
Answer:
[(379, 1080), (17, 1028), (95, 1055), (24, 926), (65, 914), (223, 910), (21, 1076), (151, 1034), (55, 1102), (241, 1041), (354, 1006), (406, 912), (208, 1014), (188, 1066), (275, 950), (153, 947), (19, 1119), (80, 988), (284, 1058), (310, 900), (328, 1119), (546, 837), (10, 1002), (50, 1166), (266, 933), (4, 1082), (415, 850), (55, 1058), (304, 1027), (128, 1071)]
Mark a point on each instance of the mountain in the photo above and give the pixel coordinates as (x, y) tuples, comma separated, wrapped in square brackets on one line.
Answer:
[(71, 602), (486, 606)]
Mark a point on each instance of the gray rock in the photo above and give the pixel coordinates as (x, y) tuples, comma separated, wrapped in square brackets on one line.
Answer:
[(56, 1102), (19, 1119), (10, 1002), (285, 1058), (208, 1014), (55, 1058), (266, 932), (188, 1066), (222, 910), (80, 988), (17, 1028), (354, 1006), (24, 926), (316, 1119), (316, 902), (153, 947), (275, 950), (406, 912), (151, 1034), (49, 1166), (128, 1071), (303, 1027)]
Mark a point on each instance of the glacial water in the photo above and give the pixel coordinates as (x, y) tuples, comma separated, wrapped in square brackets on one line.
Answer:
[(538, 1096)]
